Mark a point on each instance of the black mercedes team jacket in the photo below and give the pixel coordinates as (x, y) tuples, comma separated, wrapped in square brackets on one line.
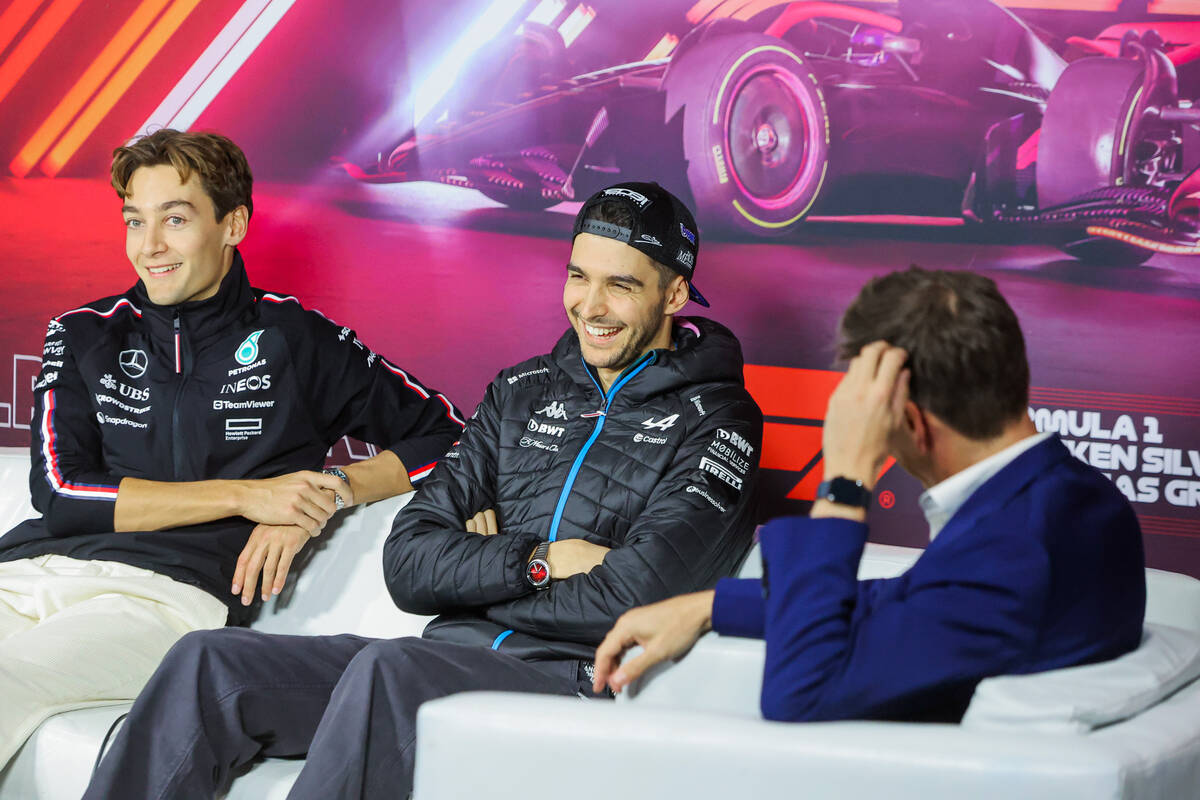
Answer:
[(245, 384), (662, 469)]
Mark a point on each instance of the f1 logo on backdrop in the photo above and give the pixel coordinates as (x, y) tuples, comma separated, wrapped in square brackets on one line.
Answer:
[(793, 403)]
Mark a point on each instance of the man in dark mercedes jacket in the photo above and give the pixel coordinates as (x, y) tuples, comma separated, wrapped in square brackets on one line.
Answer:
[(168, 421), (614, 471)]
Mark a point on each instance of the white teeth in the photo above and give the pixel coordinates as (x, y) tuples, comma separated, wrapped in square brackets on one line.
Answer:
[(594, 331), (161, 270)]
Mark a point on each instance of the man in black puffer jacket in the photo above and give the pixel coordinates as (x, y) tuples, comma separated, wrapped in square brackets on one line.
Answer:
[(616, 471)]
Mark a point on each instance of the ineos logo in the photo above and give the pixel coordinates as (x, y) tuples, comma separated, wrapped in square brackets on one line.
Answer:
[(134, 362)]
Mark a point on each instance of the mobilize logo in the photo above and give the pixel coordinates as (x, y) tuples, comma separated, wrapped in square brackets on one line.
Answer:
[(660, 424), (247, 351), (133, 362), (555, 410)]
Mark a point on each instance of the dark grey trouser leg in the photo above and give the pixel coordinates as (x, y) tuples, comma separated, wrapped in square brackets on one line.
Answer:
[(366, 743), (219, 699)]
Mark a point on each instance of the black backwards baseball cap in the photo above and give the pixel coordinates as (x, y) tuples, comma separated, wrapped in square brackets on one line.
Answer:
[(663, 228)]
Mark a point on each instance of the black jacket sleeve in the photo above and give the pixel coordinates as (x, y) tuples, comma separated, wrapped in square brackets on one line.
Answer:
[(68, 480), (431, 564), (355, 391), (694, 529)]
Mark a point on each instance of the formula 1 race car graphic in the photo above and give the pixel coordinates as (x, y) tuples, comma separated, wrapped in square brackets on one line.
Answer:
[(926, 108)]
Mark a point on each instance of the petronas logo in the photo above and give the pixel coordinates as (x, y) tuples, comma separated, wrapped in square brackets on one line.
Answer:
[(247, 351)]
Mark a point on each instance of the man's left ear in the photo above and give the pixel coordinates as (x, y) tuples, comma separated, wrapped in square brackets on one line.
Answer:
[(236, 223), (677, 296)]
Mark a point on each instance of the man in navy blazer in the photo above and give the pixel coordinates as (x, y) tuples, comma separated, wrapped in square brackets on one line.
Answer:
[(1035, 560)]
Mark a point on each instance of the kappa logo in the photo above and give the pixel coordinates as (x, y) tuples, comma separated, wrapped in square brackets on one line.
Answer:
[(555, 410), (247, 351), (636, 197), (646, 238), (133, 362), (108, 382), (660, 424)]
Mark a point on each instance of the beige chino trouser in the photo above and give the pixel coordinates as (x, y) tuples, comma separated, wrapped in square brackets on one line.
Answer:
[(76, 634)]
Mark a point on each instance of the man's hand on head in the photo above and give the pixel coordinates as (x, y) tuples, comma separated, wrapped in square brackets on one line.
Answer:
[(269, 551), (664, 630), (568, 557), (865, 409), (304, 499)]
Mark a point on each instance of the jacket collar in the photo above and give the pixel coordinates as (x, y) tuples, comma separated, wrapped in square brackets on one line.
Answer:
[(201, 318), (704, 351), (1003, 486)]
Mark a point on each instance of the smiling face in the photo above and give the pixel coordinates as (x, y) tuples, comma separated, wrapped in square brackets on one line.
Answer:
[(172, 237), (616, 304)]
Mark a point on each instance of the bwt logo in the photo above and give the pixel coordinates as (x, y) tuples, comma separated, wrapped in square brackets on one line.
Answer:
[(541, 427)]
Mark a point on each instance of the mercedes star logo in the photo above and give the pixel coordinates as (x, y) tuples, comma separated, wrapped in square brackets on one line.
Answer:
[(134, 363)]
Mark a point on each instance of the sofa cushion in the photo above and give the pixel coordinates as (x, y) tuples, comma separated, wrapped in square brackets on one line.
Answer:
[(1079, 699)]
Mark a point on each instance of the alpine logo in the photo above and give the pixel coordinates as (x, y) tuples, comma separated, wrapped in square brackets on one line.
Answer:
[(555, 410), (660, 424), (247, 351), (133, 362)]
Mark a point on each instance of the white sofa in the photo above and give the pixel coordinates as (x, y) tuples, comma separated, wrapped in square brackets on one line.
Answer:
[(338, 589), (692, 730)]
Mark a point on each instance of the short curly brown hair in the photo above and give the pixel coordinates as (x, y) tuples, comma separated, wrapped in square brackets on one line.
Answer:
[(221, 165)]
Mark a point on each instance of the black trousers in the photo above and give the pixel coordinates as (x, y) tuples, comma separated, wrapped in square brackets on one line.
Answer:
[(222, 698)]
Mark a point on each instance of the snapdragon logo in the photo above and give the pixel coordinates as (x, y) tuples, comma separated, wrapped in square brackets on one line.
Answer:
[(247, 351)]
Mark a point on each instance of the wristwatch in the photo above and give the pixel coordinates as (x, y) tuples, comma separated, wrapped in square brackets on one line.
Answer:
[(845, 492), (537, 571), (337, 473)]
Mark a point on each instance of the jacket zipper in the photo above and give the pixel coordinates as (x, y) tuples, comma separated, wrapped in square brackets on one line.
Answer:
[(647, 360), (176, 443)]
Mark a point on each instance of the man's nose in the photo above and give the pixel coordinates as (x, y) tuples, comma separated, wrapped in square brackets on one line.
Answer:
[(595, 303), (152, 240)]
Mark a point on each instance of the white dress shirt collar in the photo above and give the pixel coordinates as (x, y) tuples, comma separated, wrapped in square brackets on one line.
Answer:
[(942, 501)]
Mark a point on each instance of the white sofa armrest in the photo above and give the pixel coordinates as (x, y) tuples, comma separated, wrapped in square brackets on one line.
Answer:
[(518, 745)]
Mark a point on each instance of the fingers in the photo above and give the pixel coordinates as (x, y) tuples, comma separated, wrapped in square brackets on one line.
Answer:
[(239, 571), (632, 669), (268, 569), (253, 566), (281, 571), (608, 655), (491, 527), (320, 480), (471, 526)]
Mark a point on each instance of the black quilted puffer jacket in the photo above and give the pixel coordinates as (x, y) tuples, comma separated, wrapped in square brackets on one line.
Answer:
[(662, 470)]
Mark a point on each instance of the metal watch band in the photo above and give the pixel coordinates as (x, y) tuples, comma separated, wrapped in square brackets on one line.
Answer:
[(845, 492), (537, 570), (337, 473)]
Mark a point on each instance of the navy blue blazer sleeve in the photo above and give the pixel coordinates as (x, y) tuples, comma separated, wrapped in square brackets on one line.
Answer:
[(838, 649)]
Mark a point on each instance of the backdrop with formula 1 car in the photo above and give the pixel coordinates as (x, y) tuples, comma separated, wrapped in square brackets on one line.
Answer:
[(418, 166)]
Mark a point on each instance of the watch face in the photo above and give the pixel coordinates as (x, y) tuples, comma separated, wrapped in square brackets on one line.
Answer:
[(538, 572)]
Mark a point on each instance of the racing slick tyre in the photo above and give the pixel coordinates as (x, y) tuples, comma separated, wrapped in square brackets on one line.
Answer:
[(755, 132), (1089, 136)]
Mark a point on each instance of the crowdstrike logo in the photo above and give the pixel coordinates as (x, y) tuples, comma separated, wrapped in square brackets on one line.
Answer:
[(247, 351), (133, 362)]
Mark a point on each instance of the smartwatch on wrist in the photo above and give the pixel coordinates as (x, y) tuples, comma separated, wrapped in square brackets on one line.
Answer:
[(537, 571), (845, 492), (337, 473)]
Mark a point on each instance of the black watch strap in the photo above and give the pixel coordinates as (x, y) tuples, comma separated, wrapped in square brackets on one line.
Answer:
[(845, 492)]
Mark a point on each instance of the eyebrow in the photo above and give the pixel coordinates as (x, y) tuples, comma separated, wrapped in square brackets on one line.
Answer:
[(126, 209), (611, 278)]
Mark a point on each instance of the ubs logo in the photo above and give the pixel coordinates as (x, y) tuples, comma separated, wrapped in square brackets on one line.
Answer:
[(134, 362)]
